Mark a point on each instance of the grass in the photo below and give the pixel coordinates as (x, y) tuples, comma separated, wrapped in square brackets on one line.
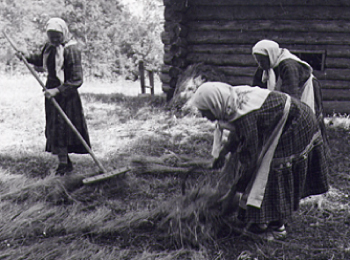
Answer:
[(142, 214)]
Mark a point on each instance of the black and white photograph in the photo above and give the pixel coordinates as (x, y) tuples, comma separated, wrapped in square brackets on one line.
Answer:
[(175, 130)]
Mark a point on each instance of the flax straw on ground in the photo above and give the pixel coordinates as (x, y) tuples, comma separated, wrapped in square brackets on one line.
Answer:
[(197, 216)]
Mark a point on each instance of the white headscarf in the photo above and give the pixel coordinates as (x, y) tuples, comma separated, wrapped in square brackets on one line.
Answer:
[(227, 103), (276, 55), (59, 25)]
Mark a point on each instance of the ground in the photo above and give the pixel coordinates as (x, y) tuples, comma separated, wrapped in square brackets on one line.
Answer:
[(152, 211)]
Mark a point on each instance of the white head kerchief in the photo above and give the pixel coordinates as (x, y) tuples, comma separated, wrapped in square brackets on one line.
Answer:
[(59, 25), (276, 55)]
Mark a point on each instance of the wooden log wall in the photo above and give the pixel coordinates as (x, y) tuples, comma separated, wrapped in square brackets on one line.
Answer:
[(222, 33), (175, 43)]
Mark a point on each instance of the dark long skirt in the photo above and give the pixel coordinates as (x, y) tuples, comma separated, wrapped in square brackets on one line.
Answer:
[(59, 136), (299, 167)]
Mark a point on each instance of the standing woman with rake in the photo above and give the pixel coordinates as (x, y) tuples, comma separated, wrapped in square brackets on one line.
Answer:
[(61, 58)]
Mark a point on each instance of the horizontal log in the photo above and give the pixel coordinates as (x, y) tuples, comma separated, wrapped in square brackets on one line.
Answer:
[(181, 42), (244, 60), (286, 38), (215, 13), (166, 88), (340, 107), (237, 80), (331, 61), (328, 94), (179, 30), (333, 74), (178, 51), (336, 94), (241, 61), (174, 16), (168, 57), (180, 62), (167, 48), (168, 37), (238, 71), (166, 79), (169, 26), (176, 5), (341, 63), (220, 48), (321, 26), (335, 84), (332, 51), (342, 3), (171, 70)]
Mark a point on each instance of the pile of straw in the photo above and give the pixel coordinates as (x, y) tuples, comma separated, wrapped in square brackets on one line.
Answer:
[(185, 83), (197, 216), (54, 189)]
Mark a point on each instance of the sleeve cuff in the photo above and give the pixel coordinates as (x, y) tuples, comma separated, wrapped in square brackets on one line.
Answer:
[(61, 88)]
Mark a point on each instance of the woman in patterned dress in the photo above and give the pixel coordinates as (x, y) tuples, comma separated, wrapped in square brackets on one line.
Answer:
[(281, 70), (61, 58), (279, 147)]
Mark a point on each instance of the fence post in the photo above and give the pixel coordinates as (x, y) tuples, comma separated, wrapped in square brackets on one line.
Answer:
[(151, 81), (142, 77)]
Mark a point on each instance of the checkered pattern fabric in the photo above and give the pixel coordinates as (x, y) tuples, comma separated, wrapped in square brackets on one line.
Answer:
[(299, 167)]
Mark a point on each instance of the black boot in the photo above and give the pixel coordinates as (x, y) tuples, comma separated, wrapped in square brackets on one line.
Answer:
[(64, 168)]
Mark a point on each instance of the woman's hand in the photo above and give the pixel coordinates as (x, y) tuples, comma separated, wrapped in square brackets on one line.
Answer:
[(21, 55), (50, 93), (219, 162)]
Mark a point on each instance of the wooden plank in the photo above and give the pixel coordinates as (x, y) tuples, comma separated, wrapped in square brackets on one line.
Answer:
[(343, 3), (283, 38), (265, 12), (340, 107), (322, 26)]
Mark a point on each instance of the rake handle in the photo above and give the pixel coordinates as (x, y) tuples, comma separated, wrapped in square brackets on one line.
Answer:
[(57, 106)]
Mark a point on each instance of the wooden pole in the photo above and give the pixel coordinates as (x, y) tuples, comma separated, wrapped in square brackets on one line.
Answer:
[(142, 77), (151, 81)]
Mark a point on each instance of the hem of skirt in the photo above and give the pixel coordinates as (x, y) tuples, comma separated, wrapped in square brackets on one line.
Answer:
[(70, 149)]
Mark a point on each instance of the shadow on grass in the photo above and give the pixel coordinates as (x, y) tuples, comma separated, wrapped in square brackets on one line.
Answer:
[(29, 166), (133, 102)]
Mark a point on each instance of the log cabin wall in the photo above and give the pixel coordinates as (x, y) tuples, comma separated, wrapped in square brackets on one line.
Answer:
[(222, 33)]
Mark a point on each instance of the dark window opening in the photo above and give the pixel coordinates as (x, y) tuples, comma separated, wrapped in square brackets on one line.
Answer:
[(316, 59)]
